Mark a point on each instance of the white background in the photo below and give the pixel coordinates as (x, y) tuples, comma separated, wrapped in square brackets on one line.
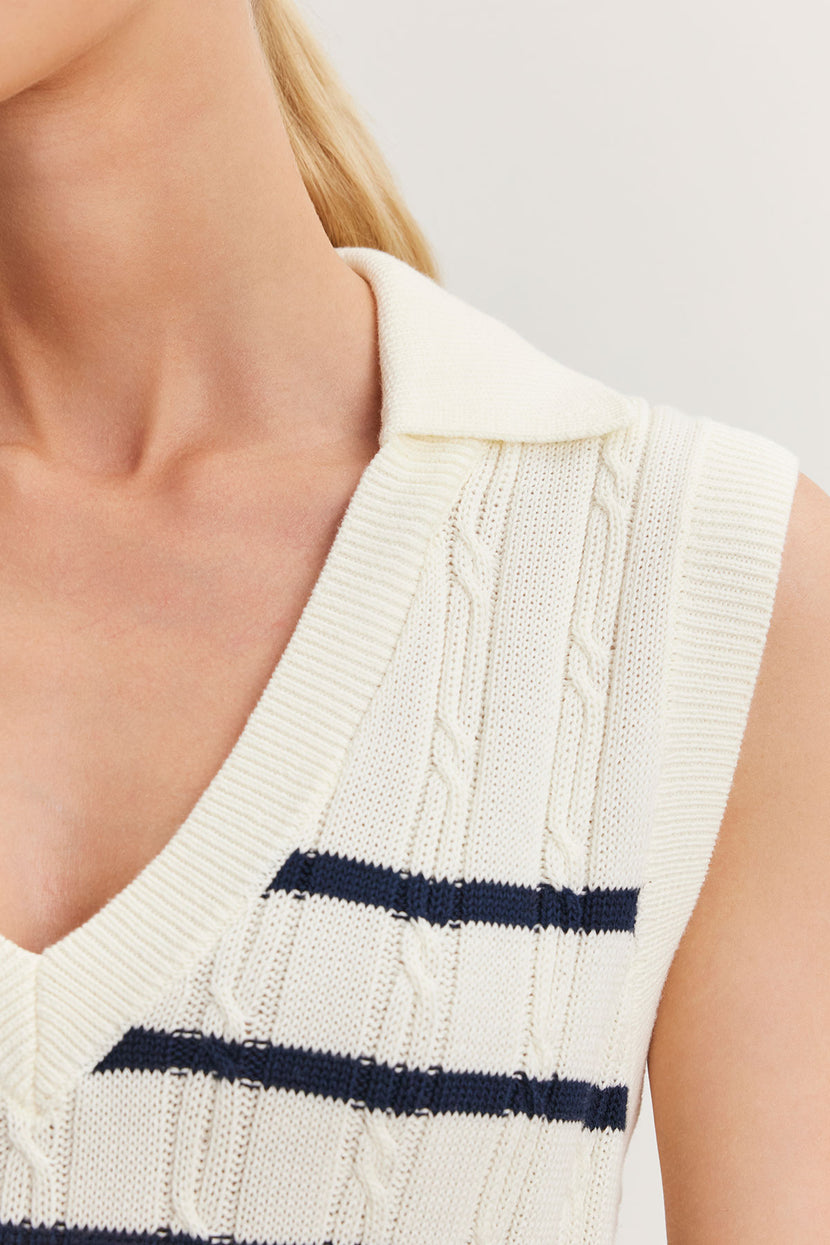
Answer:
[(640, 189)]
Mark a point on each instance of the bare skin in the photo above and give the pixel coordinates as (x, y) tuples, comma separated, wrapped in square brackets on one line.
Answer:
[(189, 393)]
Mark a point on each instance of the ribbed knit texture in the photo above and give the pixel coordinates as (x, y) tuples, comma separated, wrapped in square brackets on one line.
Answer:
[(395, 977)]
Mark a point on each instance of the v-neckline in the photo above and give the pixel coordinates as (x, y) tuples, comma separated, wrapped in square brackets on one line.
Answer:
[(62, 1009)]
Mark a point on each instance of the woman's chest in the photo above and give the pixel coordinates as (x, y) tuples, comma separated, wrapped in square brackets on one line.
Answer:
[(118, 706)]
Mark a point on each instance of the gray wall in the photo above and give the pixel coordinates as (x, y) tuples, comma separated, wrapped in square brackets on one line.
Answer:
[(640, 189)]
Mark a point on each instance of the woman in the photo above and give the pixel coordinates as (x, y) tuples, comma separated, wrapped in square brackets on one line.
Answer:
[(374, 685)]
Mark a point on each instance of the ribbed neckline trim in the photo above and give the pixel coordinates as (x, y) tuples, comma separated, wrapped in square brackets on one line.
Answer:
[(63, 1009)]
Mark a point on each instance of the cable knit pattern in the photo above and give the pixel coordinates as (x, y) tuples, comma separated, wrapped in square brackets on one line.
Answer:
[(393, 980)]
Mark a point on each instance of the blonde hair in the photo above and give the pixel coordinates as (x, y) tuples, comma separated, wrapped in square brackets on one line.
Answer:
[(345, 174)]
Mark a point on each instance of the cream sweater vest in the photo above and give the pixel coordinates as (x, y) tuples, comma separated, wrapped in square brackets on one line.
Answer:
[(394, 978)]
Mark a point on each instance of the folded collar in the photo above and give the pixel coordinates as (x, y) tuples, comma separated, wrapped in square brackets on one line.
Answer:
[(449, 369)]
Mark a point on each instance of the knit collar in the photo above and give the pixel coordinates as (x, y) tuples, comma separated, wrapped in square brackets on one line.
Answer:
[(450, 369)]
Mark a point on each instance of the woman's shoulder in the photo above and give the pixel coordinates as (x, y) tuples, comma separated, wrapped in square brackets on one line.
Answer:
[(739, 1063)]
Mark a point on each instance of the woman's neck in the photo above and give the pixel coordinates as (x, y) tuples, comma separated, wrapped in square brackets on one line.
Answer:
[(166, 287)]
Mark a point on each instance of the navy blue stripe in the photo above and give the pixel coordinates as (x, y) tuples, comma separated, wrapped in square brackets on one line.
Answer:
[(59, 1234), (363, 1082), (443, 902)]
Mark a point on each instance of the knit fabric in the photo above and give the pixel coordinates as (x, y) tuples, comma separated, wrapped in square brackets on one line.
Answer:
[(394, 978)]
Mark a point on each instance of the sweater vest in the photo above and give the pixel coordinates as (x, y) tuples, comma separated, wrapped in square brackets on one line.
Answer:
[(393, 980)]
